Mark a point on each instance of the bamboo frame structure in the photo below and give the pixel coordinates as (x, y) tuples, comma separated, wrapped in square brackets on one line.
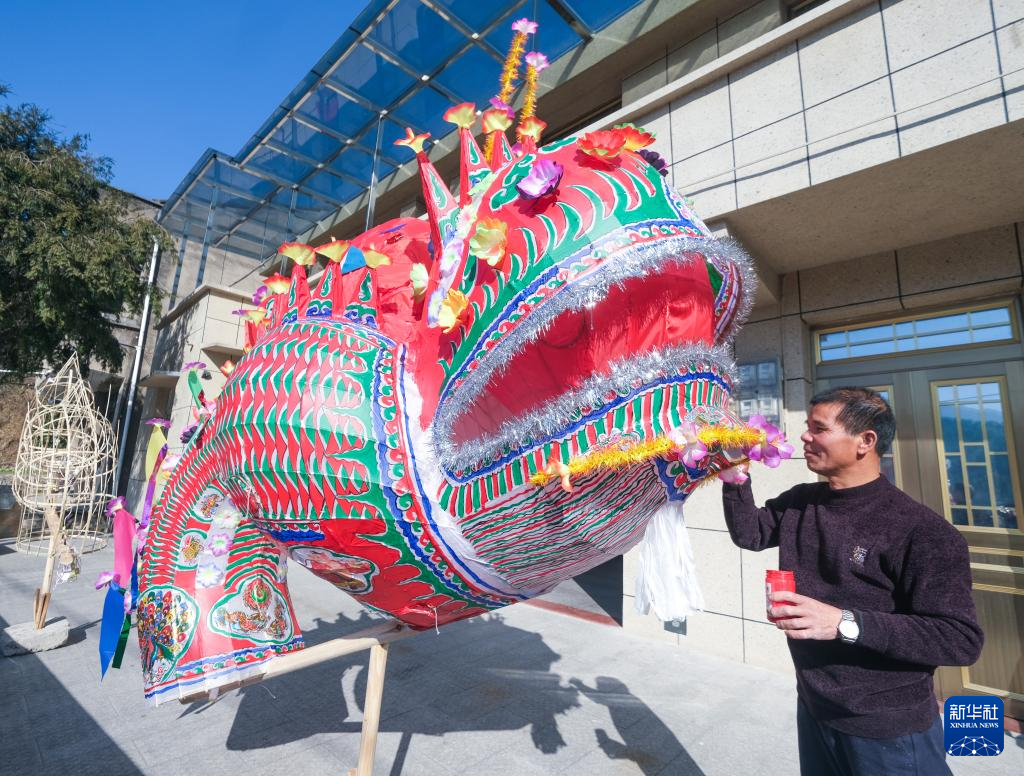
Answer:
[(63, 478)]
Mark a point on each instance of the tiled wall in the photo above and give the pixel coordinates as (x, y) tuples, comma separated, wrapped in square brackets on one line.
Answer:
[(842, 98), (956, 270), (886, 80)]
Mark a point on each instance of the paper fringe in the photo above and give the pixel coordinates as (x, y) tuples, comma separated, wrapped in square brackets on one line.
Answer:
[(666, 579), (509, 75)]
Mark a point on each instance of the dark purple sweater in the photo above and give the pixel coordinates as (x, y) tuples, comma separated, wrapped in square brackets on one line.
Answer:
[(899, 567)]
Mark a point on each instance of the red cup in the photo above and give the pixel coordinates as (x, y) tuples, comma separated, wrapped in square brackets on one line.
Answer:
[(777, 582)]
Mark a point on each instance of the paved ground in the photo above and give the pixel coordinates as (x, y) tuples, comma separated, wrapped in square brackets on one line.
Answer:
[(522, 692)]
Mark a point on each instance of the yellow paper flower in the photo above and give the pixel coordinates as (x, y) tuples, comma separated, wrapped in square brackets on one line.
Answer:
[(419, 277), (300, 253), (462, 115), (335, 250), (413, 141), (452, 308), (496, 120), (278, 283), (531, 127), (375, 259), (488, 242)]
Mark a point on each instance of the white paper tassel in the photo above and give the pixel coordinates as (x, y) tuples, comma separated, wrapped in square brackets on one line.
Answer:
[(667, 578)]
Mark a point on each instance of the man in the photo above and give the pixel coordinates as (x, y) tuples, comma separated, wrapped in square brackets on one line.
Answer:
[(884, 596)]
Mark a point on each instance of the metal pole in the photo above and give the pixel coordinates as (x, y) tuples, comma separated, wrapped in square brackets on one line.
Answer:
[(139, 350), (373, 174)]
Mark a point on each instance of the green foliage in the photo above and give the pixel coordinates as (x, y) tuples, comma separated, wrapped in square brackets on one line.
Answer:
[(73, 255)]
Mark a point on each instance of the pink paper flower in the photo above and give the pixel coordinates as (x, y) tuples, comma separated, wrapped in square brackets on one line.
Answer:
[(114, 505), (502, 105), (218, 544), (774, 449), (543, 178), (689, 449), (524, 26), (194, 365), (537, 60), (734, 475), (163, 423), (260, 294)]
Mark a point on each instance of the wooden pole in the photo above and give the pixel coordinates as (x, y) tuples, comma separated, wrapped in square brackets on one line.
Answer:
[(371, 710), (42, 600)]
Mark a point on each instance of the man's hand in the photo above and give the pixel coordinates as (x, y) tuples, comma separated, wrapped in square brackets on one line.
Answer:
[(809, 619)]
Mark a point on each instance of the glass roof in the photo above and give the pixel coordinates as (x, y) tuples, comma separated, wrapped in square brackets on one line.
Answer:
[(400, 63)]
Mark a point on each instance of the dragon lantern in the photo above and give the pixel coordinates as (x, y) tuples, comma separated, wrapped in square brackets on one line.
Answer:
[(458, 413)]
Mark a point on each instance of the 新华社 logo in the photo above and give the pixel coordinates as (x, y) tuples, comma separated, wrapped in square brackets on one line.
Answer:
[(973, 726)]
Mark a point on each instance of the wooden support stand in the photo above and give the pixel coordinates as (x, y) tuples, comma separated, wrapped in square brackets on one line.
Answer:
[(42, 599), (376, 639)]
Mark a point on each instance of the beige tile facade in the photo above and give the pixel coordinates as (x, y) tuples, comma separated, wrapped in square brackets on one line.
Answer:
[(870, 87)]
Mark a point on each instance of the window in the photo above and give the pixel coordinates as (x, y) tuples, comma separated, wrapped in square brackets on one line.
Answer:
[(970, 327), (890, 466), (976, 453)]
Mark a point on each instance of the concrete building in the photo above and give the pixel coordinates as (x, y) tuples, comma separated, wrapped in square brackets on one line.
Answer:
[(869, 156)]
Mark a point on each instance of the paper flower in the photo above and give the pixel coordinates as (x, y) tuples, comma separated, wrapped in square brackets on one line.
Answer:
[(543, 178), (256, 314), (531, 127), (170, 461), (114, 505), (496, 120), (452, 308), (537, 61), (656, 160), (462, 115), (636, 138), (227, 367), (335, 250), (218, 544), (260, 294), (105, 578), (689, 449), (488, 242), (556, 468), (278, 283), (375, 259), (419, 277), (735, 475), (208, 576), (188, 432), (413, 141), (524, 26), (194, 365), (603, 143), (774, 449), (300, 253), (164, 423), (498, 104)]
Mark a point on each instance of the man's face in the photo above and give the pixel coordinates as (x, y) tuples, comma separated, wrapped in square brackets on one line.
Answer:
[(828, 447)]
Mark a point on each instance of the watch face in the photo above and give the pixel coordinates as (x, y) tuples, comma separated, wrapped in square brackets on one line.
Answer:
[(849, 629)]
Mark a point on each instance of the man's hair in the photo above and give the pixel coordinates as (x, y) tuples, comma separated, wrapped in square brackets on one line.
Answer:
[(862, 409)]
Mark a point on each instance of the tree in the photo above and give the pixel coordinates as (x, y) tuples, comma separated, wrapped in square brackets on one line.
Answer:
[(72, 256)]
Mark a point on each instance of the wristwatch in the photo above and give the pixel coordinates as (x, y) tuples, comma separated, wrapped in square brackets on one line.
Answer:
[(849, 630)]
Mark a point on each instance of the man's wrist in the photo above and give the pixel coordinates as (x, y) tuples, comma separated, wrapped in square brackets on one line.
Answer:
[(849, 628)]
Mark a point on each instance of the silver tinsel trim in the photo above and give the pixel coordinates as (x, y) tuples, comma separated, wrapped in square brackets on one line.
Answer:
[(624, 376), (634, 262), (748, 288)]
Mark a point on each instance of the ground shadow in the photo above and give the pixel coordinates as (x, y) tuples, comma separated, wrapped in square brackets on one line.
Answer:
[(646, 740), (477, 675), (45, 730)]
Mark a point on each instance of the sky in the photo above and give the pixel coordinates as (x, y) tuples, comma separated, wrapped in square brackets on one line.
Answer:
[(154, 84)]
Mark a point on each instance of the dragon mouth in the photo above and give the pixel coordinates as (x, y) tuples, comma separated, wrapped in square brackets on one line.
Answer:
[(580, 358)]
